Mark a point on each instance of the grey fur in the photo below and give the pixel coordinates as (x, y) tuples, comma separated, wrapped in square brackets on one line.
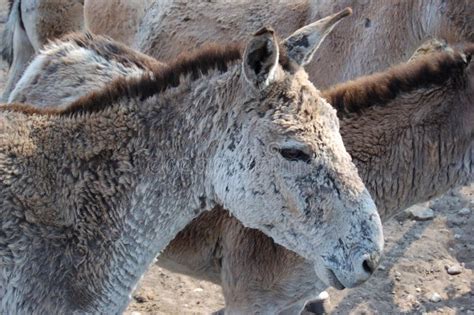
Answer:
[(235, 257), (88, 200)]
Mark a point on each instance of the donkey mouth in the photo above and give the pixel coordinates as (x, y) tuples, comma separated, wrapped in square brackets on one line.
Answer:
[(334, 281)]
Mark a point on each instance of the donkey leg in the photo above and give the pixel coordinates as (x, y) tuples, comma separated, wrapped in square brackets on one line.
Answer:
[(23, 52)]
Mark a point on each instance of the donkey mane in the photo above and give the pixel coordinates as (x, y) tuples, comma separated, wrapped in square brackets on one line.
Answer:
[(161, 77), (378, 89), (196, 64)]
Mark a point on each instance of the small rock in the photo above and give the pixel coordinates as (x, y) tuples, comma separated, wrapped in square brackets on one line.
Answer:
[(416, 304), (135, 313), (323, 296), (198, 290), (418, 290), (435, 297), (457, 236), (140, 298), (381, 267), (465, 212), (454, 270), (420, 213)]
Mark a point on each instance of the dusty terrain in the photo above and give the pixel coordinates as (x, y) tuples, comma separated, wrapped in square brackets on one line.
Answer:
[(412, 279)]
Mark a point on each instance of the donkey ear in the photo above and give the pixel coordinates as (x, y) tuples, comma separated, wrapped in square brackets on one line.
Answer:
[(260, 60), (302, 44)]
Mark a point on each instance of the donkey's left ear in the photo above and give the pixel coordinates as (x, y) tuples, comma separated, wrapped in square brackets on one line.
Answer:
[(302, 44), (260, 60)]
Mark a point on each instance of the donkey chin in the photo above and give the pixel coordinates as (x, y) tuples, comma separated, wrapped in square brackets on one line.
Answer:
[(354, 257)]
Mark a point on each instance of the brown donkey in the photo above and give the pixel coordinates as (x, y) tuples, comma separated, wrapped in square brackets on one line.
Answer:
[(91, 193), (425, 105), (164, 28)]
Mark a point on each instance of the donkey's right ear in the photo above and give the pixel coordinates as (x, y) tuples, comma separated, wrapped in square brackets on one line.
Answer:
[(260, 60), (302, 44)]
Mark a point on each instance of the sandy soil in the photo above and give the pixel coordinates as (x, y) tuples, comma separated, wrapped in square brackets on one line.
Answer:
[(413, 270)]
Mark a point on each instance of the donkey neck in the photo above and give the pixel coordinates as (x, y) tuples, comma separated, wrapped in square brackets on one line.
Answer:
[(123, 181)]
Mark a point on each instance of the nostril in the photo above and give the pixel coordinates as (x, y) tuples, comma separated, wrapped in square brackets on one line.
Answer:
[(368, 267)]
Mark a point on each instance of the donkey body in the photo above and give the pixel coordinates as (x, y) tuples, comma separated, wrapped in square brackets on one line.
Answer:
[(92, 192), (432, 106), (382, 33)]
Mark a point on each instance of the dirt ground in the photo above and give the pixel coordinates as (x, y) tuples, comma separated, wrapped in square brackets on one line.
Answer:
[(412, 278)]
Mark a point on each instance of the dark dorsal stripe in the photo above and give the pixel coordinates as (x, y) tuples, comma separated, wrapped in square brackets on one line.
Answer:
[(196, 64), (201, 62), (378, 89), (212, 57)]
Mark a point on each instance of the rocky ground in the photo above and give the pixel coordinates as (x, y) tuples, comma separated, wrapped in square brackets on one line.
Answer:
[(427, 268)]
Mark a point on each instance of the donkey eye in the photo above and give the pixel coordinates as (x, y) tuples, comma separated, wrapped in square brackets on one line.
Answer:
[(295, 155)]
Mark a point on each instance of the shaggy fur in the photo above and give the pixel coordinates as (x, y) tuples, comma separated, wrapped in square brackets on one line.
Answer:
[(407, 150), (89, 196), (381, 88), (258, 275)]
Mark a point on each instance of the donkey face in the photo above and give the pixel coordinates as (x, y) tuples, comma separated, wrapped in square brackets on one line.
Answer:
[(282, 167)]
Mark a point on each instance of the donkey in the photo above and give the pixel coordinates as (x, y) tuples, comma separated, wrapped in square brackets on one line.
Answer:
[(76, 65), (382, 33), (92, 192), (188, 25), (30, 24), (411, 138), (218, 248)]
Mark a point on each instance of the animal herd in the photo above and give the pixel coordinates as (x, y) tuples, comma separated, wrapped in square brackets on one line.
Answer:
[(195, 134)]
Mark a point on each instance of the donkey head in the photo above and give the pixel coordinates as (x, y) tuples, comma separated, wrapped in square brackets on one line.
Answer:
[(282, 168)]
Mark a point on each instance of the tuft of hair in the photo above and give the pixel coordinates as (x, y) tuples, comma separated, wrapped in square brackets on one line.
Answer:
[(378, 89)]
